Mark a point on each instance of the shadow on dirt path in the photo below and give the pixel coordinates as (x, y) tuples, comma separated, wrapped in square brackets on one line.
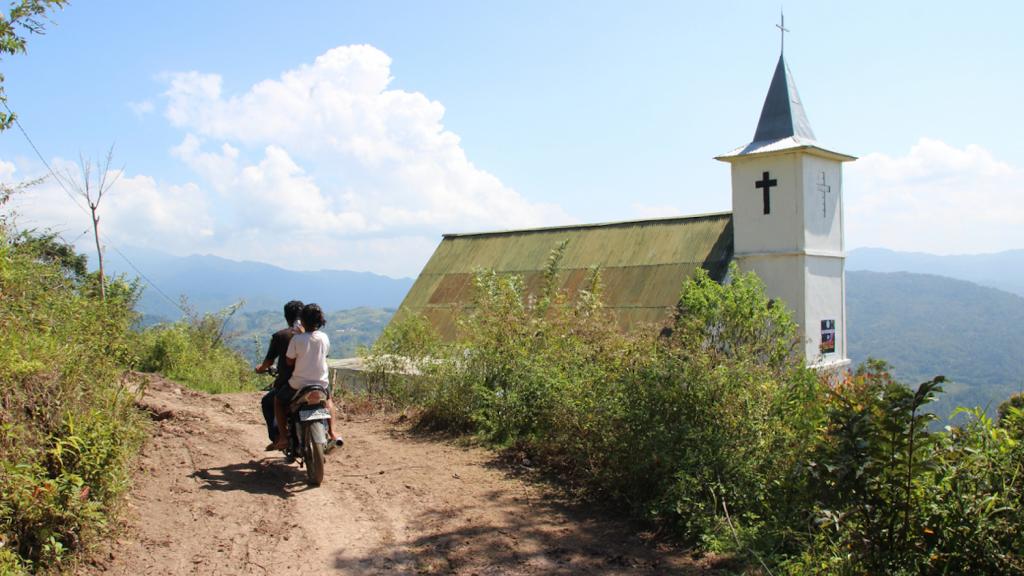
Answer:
[(255, 477)]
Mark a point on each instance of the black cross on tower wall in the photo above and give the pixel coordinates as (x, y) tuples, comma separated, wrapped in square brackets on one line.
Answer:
[(766, 183)]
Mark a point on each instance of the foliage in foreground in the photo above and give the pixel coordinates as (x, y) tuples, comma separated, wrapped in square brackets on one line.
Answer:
[(715, 429), (67, 424)]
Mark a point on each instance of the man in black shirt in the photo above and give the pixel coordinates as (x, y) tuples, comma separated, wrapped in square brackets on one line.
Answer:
[(276, 352)]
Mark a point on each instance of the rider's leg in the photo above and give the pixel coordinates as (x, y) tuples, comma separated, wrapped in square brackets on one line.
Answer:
[(330, 422), (267, 404), (282, 423)]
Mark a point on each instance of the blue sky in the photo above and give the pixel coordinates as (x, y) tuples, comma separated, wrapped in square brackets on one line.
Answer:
[(352, 134)]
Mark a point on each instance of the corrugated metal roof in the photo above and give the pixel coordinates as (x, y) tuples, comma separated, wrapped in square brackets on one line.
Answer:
[(643, 264)]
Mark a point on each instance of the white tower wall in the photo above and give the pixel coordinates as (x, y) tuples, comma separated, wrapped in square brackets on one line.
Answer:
[(753, 231), (797, 247), (787, 203), (823, 207)]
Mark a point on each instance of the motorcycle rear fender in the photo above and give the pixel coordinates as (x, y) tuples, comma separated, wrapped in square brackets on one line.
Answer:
[(318, 429), (309, 396)]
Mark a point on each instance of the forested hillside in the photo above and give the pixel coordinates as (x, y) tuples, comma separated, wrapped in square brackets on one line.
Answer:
[(249, 332), (1003, 270), (927, 325)]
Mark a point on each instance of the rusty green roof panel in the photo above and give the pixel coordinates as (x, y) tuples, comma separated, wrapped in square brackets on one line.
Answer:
[(643, 264)]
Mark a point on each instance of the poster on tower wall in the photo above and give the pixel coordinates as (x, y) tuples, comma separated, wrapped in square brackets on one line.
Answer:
[(828, 336)]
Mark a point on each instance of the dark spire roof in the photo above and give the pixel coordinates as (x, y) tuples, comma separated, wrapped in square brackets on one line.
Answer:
[(782, 115)]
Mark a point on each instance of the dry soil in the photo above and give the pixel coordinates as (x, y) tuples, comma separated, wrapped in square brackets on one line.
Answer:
[(207, 499)]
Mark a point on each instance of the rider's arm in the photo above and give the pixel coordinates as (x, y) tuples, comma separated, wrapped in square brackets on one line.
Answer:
[(268, 360), (291, 353)]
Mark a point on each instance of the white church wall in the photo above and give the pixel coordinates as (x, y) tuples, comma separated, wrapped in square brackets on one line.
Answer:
[(783, 279), (782, 229), (822, 191), (825, 310)]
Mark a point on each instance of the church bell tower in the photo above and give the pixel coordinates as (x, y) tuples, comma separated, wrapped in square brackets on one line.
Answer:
[(787, 200)]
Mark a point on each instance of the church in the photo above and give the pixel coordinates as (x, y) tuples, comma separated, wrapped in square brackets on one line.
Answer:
[(786, 225)]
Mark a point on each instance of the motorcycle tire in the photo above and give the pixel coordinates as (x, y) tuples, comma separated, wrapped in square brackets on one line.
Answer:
[(314, 454)]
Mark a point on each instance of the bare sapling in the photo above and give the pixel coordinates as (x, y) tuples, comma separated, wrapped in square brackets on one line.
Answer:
[(92, 187)]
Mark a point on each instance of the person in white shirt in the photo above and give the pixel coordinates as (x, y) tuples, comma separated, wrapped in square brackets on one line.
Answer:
[(307, 353)]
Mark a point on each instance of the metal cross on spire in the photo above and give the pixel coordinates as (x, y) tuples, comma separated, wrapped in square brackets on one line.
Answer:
[(782, 31)]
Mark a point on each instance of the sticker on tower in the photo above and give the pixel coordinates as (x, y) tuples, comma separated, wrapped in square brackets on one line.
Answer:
[(828, 336)]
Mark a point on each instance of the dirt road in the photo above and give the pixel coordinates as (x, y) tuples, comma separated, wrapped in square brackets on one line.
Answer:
[(208, 500)]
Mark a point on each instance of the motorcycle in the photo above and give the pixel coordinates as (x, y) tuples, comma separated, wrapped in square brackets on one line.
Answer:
[(308, 441), (307, 431)]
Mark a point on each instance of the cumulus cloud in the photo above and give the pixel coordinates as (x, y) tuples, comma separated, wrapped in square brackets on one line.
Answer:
[(325, 166), (142, 108), (136, 211), (937, 198), (329, 153)]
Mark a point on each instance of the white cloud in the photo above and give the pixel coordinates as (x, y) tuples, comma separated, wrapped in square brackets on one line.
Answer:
[(44, 205), (329, 153), (142, 108), (323, 167), (136, 211), (7, 171), (937, 199)]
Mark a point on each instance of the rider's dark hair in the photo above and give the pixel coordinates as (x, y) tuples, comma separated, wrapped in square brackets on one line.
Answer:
[(292, 311), (313, 317)]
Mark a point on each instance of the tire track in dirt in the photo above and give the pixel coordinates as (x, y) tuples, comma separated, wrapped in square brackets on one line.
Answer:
[(208, 500)]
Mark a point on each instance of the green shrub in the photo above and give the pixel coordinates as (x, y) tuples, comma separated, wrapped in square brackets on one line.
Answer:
[(405, 347), (892, 496), (67, 424), (1011, 416), (716, 429), (698, 429), (702, 432), (193, 351)]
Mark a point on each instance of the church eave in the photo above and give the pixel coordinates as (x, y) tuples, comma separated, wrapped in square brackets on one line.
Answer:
[(781, 147)]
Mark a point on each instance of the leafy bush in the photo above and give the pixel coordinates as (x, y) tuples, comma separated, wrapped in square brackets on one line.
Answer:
[(715, 428), (392, 364), (891, 496), (193, 351), (700, 428), (67, 424)]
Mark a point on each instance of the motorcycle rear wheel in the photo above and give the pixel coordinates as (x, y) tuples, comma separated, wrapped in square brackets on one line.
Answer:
[(314, 456)]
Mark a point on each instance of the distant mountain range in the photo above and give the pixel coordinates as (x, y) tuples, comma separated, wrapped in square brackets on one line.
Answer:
[(926, 325), (1003, 270), (249, 332), (959, 316), (909, 309), (211, 283)]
